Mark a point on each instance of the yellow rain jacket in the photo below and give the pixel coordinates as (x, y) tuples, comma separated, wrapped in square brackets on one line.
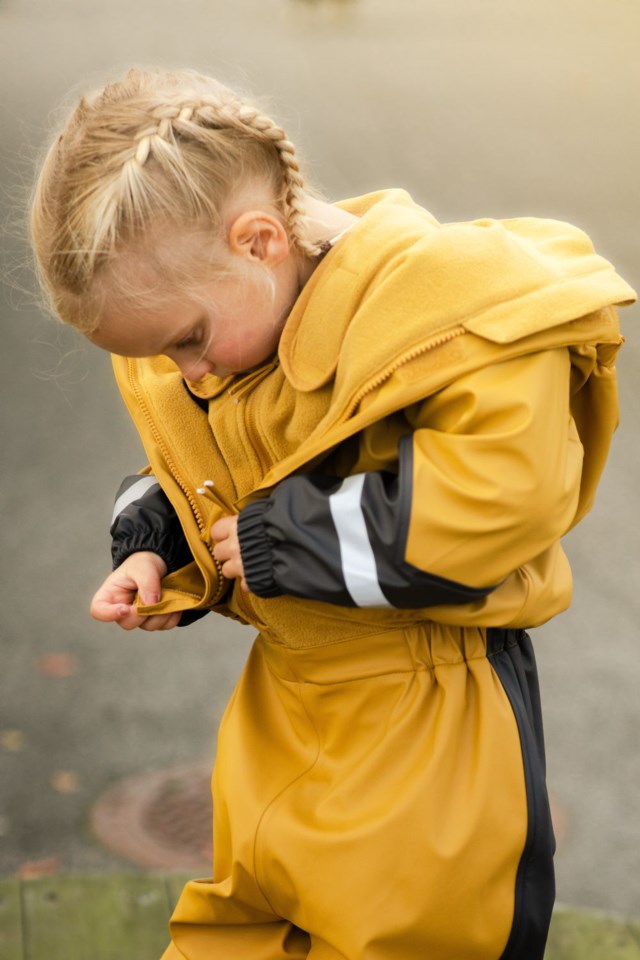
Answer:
[(379, 789)]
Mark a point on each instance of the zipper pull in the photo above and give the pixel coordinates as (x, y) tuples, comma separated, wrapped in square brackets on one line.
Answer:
[(206, 490), (217, 509)]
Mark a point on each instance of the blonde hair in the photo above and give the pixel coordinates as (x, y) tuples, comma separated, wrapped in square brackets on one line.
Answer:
[(157, 148)]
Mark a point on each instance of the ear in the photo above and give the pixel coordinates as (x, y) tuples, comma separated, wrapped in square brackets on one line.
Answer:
[(260, 237)]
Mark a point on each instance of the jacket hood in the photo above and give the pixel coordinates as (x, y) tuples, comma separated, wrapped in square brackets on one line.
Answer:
[(499, 279)]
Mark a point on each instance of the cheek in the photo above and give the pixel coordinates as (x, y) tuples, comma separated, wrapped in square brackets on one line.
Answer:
[(225, 350)]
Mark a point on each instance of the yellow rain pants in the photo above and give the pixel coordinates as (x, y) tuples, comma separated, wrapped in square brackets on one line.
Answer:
[(380, 798)]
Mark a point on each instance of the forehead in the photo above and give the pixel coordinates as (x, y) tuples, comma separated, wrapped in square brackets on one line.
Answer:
[(145, 326), (145, 333), (149, 297)]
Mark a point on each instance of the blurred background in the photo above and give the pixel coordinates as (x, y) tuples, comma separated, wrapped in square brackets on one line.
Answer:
[(479, 108)]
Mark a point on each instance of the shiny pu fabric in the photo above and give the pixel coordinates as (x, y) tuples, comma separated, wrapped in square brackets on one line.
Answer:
[(372, 792), (377, 794), (493, 343)]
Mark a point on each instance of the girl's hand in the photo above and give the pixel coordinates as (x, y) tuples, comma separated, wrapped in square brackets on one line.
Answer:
[(227, 549), (113, 603)]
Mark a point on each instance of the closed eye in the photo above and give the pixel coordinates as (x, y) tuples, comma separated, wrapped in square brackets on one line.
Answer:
[(192, 339)]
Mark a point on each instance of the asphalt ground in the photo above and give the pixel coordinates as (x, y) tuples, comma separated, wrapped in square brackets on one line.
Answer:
[(479, 109)]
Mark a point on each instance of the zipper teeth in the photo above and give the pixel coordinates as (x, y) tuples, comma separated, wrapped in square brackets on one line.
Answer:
[(176, 476), (437, 341), (242, 393)]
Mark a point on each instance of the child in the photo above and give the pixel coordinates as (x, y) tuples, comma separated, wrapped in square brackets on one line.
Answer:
[(397, 421)]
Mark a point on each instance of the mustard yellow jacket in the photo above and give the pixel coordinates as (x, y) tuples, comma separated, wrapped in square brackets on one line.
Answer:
[(443, 399)]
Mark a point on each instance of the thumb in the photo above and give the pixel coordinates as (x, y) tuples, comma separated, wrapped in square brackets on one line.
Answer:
[(148, 582), (141, 572)]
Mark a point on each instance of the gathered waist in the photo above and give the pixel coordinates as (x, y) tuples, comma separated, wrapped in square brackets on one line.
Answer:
[(422, 646)]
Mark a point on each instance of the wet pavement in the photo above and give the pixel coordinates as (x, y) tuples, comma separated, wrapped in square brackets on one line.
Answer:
[(479, 109)]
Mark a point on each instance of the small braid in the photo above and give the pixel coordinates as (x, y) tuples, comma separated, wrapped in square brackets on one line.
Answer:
[(295, 193), (155, 147), (236, 115)]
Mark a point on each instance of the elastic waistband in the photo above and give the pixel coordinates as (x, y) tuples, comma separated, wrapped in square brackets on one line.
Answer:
[(424, 646)]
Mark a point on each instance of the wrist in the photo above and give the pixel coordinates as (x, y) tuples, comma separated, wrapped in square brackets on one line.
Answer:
[(148, 556)]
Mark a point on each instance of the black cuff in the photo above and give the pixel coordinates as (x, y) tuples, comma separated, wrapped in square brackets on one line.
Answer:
[(191, 616), (255, 548), (174, 550)]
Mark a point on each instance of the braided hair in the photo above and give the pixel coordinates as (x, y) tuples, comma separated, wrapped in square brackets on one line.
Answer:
[(158, 147)]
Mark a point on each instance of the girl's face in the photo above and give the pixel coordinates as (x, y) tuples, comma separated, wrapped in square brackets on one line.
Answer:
[(223, 326)]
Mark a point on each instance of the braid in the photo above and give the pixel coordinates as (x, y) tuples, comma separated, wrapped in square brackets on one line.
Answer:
[(156, 147), (193, 119), (246, 118)]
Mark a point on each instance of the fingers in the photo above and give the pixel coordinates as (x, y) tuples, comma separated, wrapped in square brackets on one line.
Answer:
[(146, 571), (127, 617), (131, 620), (165, 621), (231, 568), (106, 610), (140, 573), (227, 547), (223, 528)]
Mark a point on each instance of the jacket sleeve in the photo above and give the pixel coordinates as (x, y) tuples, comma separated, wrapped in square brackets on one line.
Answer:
[(144, 519), (488, 478)]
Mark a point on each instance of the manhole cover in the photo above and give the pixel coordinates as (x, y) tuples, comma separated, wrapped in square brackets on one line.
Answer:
[(162, 818)]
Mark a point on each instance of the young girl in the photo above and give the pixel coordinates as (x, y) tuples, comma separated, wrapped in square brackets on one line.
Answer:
[(367, 433)]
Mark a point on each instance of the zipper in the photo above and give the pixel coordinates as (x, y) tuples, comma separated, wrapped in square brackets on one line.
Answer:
[(437, 341), (186, 489), (256, 441), (328, 439), (242, 390), (244, 384)]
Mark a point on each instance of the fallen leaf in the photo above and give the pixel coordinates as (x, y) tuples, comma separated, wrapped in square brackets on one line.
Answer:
[(65, 781), (32, 869), (12, 740), (57, 664)]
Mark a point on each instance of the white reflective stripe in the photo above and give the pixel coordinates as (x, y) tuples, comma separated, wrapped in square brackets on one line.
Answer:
[(358, 562), (134, 492)]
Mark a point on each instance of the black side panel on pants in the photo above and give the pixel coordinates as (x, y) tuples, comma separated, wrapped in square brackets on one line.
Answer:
[(511, 655)]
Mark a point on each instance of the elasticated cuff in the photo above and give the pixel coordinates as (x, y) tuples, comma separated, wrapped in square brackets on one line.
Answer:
[(174, 551), (255, 548)]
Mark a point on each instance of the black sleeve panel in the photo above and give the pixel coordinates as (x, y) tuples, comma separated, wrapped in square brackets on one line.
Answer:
[(147, 522), (289, 544), (343, 542)]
